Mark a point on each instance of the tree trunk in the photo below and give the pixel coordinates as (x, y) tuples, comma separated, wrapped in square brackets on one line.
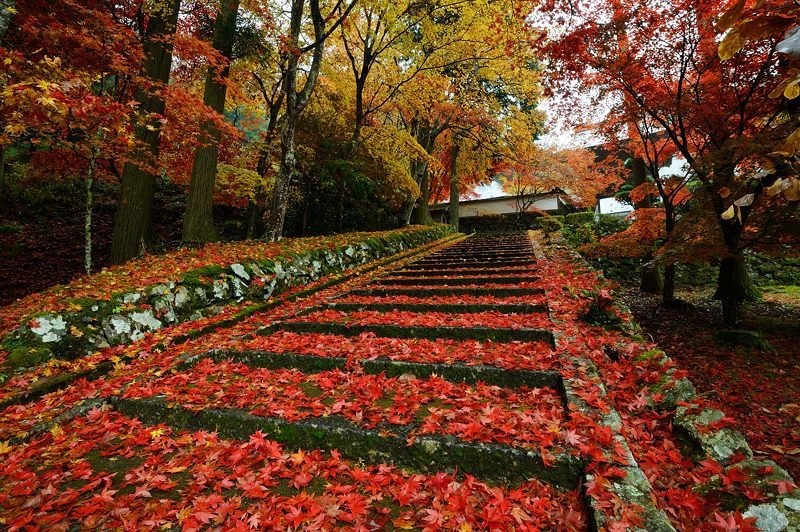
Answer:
[(87, 220), (280, 191), (422, 214), (198, 222), (668, 293), (732, 287), (652, 280), (454, 193), (137, 188), (295, 103)]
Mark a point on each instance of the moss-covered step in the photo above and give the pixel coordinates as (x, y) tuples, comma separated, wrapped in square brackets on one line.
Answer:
[(463, 256), (496, 463), (454, 272), (448, 308), (267, 359), (426, 264), (429, 333), (460, 258), (494, 376), (52, 384), (434, 281), (455, 291)]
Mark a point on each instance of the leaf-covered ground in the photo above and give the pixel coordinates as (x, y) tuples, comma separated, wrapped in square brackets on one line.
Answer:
[(99, 468), (760, 389)]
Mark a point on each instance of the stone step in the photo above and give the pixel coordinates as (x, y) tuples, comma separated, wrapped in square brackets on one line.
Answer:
[(451, 281), (460, 256), (436, 307), (457, 273), (439, 264), (496, 463), (455, 291), (487, 249), (416, 331), (460, 373)]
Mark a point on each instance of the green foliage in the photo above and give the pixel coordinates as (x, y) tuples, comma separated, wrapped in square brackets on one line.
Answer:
[(580, 218), (10, 229), (578, 235), (587, 227), (550, 224), (608, 224)]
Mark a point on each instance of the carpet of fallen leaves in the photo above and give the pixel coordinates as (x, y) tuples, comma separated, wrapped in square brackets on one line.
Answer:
[(105, 470), (760, 390)]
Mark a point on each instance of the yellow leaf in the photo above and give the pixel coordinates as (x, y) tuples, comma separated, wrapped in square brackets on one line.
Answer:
[(730, 16), (185, 512), (730, 45), (155, 433), (775, 188), (74, 331), (792, 193), (47, 102), (792, 91), (5, 447), (56, 430), (730, 213)]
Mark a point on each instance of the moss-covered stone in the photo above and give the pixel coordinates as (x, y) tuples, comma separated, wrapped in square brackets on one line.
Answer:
[(454, 309), (501, 464), (455, 291), (432, 333), (742, 338)]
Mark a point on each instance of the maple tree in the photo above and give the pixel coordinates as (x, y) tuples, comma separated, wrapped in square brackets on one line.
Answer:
[(663, 60)]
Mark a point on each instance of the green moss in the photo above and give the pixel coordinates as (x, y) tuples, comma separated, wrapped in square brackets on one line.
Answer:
[(742, 338), (651, 355), (200, 276), (311, 389), (112, 464), (26, 357), (10, 229)]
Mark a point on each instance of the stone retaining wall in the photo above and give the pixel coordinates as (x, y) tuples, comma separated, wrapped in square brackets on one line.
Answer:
[(90, 325)]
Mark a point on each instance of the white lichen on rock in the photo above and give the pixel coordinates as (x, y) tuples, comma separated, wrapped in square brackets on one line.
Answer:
[(147, 320), (768, 517), (50, 328), (240, 271)]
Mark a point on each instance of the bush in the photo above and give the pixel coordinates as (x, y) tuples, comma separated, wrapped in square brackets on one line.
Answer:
[(608, 224), (579, 235), (580, 218), (550, 224)]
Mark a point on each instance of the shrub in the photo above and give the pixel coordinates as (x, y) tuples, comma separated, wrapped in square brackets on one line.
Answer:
[(608, 224), (579, 235), (580, 218), (550, 224)]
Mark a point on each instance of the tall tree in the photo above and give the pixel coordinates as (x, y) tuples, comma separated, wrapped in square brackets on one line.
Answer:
[(717, 114), (198, 221), (137, 188), (295, 101)]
